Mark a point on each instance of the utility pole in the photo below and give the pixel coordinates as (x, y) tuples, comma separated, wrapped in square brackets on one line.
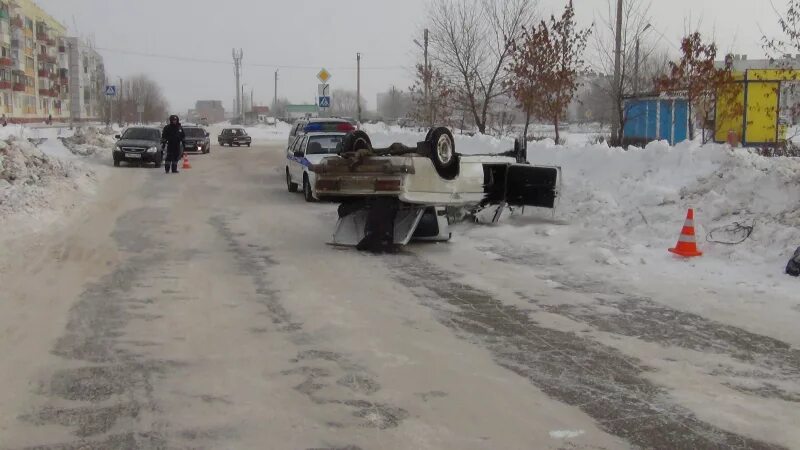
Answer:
[(427, 84), (358, 85), (636, 69), (120, 101), (275, 99), (237, 70), (617, 122), (636, 62)]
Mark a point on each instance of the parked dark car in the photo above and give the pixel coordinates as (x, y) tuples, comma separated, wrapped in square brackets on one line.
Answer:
[(197, 139), (234, 136), (140, 145)]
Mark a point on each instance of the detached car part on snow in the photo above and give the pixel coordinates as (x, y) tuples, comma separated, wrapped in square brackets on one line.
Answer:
[(386, 192)]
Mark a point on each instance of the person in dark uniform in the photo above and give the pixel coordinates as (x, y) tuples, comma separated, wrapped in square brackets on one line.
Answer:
[(172, 140)]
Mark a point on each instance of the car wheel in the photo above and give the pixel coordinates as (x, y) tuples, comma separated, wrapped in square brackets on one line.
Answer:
[(116, 162), (309, 196), (443, 153), (248, 145), (157, 162), (355, 141), (289, 185)]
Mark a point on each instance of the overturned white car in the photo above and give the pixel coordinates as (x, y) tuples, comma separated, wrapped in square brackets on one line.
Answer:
[(389, 196)]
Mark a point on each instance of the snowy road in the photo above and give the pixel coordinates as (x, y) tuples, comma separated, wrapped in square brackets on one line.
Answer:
[(203, 310)]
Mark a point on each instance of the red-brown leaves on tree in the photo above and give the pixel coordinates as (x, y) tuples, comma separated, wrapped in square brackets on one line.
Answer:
[(544, 68)]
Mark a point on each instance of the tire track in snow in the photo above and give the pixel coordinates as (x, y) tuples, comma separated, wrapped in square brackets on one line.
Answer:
[(605, 384)]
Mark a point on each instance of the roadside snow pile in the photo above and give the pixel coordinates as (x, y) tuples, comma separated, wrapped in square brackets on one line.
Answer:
[(30, 179), (625, 208), (278, 132), (90, 141)]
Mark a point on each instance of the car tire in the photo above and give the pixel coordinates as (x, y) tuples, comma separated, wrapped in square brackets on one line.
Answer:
[(355, 141), (116, 162), (248, 145), (307, 193), (443, 153), (292, 187), (157, 163)]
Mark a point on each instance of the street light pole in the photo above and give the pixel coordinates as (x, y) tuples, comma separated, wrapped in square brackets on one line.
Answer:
[(636, 63), (358, 85), (617, 122)]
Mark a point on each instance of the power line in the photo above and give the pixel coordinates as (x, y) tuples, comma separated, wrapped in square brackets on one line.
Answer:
[(224, 62)]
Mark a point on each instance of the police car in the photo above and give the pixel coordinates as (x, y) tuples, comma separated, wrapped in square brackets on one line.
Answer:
[(316, 141)]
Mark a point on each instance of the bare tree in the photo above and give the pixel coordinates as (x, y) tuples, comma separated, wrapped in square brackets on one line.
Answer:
[(344, 103), (141, 90), (634, 78), (470, 42)]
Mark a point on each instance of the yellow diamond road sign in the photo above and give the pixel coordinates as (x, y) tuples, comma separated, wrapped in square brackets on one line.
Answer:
[(324, 76)]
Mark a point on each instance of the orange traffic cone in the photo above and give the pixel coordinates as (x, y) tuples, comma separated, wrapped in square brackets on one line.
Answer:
[(186, 164), (687, 243)]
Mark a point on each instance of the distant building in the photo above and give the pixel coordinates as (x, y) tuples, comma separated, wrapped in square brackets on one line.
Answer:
[(86, 82), (211, 110)]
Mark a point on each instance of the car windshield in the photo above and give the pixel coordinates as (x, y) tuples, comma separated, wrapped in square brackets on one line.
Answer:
[(320, 145), (194, 132), (147, 134)]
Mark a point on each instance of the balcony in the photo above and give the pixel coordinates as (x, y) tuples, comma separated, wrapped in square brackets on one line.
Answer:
[(6, 85), (15, 43), (45, 58), (6, 62), (17, 22), (46, 93), (43, 73), (62, 49), (19, 87)]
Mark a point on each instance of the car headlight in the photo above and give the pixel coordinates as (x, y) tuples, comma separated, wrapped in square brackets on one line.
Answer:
[(152, 149)]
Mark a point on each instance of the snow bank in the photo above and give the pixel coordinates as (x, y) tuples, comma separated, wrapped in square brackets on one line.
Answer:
[(278, 132), (619, 200), (44, 174), (90, 141), (29, 178)]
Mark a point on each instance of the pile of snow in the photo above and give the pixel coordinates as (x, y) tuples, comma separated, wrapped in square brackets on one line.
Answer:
[(262, 132), (619, 200), (90, 141), (30, 179)]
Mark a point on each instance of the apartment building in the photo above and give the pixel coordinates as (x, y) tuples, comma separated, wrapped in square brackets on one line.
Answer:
[(87, 81), (35, 76)]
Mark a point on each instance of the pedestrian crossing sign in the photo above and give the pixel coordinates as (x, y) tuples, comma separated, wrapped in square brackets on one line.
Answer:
[(325, 102), (111, 91)]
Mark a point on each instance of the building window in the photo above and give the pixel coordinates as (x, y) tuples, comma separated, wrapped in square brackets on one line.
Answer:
[(29, 63), (28, 24), (28, 43)]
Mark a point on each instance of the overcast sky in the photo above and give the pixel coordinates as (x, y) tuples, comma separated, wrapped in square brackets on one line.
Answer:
[(302, 36)]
